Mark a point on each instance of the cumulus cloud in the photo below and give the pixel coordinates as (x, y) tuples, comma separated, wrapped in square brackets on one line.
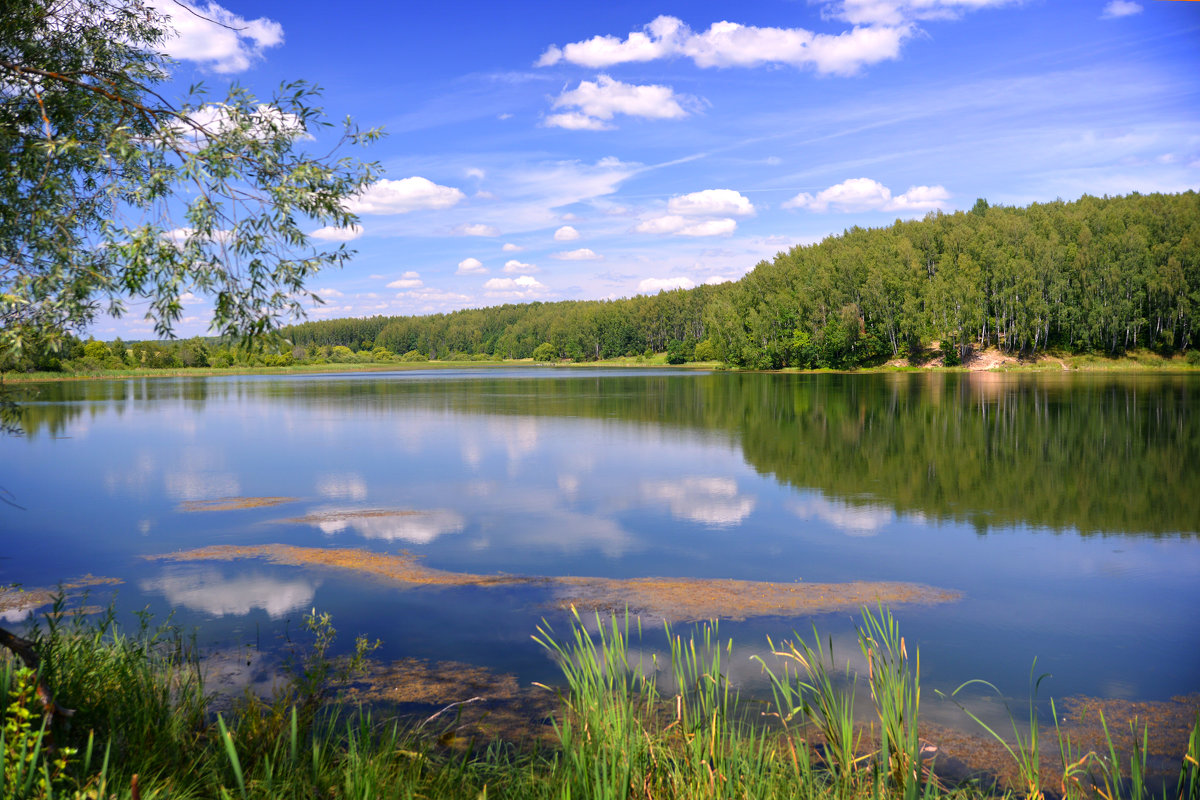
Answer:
[(476, 229), (470, 266), (711, 203), (864, 194), (399, 197), (409, 280), (682, 226), (655, 285), (514, 267), (1120, 8), (332, 234), (730, 44), (582, 254), (523, 286), (566, 234), (509, 247), (592, 104), (215, 37)]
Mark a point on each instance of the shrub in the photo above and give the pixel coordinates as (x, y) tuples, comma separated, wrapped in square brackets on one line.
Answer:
[(414, 355), (544, 352)]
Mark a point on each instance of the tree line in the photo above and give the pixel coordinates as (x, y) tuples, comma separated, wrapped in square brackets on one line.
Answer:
[(1098, 274), (1095, 275)]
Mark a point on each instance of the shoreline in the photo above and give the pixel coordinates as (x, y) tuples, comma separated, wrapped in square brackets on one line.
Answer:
[(990, 360)]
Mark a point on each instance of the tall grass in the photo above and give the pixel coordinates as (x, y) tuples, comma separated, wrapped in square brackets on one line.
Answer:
[(629, 724)]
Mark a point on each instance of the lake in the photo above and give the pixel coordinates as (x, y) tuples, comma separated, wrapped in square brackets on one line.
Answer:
[(1048, 516)]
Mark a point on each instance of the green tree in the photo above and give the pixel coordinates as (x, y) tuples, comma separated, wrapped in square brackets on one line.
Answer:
[(544, 352), (109, 193)]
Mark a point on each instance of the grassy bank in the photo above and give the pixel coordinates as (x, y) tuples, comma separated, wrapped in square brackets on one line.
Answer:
[(144, 727)]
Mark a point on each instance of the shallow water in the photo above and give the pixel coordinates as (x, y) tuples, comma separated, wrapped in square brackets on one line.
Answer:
[(1064, 508)]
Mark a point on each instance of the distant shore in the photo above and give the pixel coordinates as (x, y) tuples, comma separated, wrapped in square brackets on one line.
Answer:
[(989, 360)]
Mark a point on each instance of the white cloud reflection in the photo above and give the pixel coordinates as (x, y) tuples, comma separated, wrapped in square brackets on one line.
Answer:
[(710, 501), (853, 520), (418, 527), (212, 593)]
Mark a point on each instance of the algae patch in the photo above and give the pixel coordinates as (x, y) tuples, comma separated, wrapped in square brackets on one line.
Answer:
[(671, 599), (18, 601), (233, 503)]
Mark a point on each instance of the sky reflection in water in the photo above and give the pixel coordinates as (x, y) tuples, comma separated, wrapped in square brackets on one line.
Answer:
[(1062, 506)]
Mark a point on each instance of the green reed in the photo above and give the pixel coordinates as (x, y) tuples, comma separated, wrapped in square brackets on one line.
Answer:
[(628, 726)]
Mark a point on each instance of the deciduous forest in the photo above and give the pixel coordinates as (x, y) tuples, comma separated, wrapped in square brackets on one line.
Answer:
[(1097, 275)]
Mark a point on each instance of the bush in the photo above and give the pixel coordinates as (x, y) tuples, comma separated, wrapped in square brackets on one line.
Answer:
[(1193, 357), (706, 350), (414, 355), (544, 352)]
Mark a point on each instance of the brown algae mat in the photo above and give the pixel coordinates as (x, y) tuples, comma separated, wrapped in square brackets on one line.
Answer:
[(233, 503), (671, 599), (15, 598)]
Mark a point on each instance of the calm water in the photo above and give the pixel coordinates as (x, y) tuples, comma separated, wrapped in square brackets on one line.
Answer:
[(1066, 508)]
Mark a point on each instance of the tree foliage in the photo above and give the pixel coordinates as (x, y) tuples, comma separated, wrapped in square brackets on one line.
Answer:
[(1099, 274), (112, 195)]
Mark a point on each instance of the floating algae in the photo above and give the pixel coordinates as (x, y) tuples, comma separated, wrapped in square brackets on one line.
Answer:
[(671, 599), (16, 601), (233, 503)]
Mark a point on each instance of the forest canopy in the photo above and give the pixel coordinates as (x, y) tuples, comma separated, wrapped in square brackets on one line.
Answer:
[(1098, 274)]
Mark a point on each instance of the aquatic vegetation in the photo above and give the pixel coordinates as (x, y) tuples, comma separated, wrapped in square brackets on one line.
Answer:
[(671, 599), (626, 725), (233, 503)]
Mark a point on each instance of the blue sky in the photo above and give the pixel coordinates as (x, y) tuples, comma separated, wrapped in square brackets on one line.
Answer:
[(552, 151)]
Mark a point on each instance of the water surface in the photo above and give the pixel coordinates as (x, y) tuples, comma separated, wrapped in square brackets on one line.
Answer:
[(1064, 508)]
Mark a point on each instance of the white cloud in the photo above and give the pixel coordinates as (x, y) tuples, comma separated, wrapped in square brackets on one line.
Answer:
[(728, 44), (399, 197), (470, 266), (582, 254), (864, 194), (514, 267), (524, 286), (575, 121), (900, 12), (431, 296), (664, 224), (409, 280), (682, 226), (476, 229), (566, 234), (327, 293), (654, 285), (711, 203), (475, 172), (332, 234), (596, 103), (509, 247), (709, 227), (215, 37), (1120, 8)]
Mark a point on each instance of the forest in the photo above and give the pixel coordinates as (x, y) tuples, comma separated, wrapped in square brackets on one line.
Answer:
[(1098, 274), (1101, 275)]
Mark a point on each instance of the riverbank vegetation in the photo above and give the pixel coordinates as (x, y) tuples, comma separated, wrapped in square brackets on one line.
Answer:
[(1096, 279), (144, 725)]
